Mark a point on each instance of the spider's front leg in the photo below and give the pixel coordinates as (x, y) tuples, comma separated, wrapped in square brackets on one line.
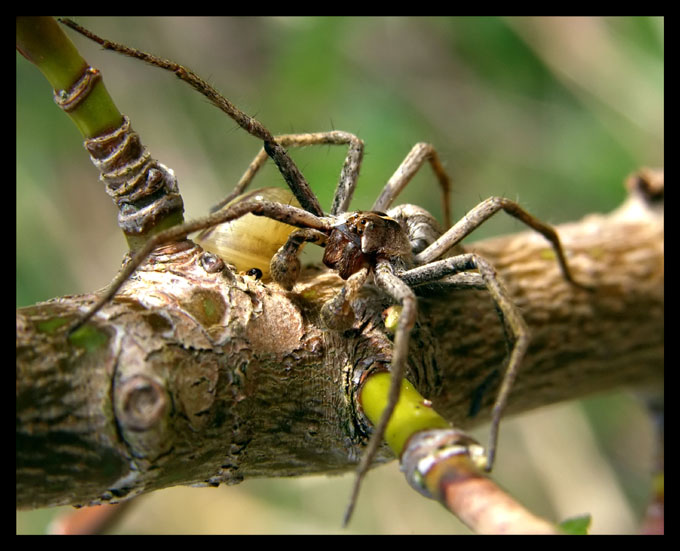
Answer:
[(294, 178), (283, 213), (400, 292), (348, 176)]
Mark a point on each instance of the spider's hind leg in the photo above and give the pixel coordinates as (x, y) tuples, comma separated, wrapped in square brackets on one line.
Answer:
[(510, 317), (482, 212)]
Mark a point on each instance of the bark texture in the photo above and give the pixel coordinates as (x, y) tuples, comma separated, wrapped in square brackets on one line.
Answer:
[(197, 376)]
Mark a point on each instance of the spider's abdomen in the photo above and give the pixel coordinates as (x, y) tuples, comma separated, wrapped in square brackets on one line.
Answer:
[(250, 241), (362, 238), (421, 227)]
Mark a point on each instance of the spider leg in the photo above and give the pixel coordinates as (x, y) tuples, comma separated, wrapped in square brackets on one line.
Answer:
[(285, 265), (402, 293), (348, 176), (245, 180), (287, 167), (337, 313), (420, 153), (463, 280), (479, 215), (283, 213), (511, 317)]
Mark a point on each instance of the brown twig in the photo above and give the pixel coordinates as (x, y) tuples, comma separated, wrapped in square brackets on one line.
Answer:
[(479, 502)]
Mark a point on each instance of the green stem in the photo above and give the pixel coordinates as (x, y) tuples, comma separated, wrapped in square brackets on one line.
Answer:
[(42, 41), (84, 98), (412, 414)]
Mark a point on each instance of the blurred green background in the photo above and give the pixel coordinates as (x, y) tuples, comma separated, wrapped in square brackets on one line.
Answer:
[(552, 112)]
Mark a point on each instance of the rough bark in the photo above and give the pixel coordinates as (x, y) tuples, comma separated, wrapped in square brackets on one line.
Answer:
[(198, 377)]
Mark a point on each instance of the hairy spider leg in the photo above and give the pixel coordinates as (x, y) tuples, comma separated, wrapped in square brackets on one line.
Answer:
[(287, 167), (402, 293), (287, 214), (348, 176), (435, 270), (510, 314), (336, 313), (285, 264), (482, 212), (420, 153)]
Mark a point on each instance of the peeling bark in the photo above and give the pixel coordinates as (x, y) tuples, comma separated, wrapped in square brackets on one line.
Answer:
[(198, 377)]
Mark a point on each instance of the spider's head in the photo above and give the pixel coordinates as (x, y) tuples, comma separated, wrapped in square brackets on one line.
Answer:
[(360, 238)]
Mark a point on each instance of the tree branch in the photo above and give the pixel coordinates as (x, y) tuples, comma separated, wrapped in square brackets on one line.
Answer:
[(196, 376)]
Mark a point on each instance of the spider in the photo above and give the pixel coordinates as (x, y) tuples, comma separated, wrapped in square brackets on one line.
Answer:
[(399, 248)]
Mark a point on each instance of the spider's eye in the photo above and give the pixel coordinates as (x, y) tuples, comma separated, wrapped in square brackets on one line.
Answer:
[(255, 273), (361, 225), (250, 242)]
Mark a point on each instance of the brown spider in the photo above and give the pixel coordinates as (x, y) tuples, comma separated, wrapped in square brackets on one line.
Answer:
[(400, 248)]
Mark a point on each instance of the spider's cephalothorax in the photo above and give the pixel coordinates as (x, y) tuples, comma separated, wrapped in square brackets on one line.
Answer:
[(361, 238), (402, 249)]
